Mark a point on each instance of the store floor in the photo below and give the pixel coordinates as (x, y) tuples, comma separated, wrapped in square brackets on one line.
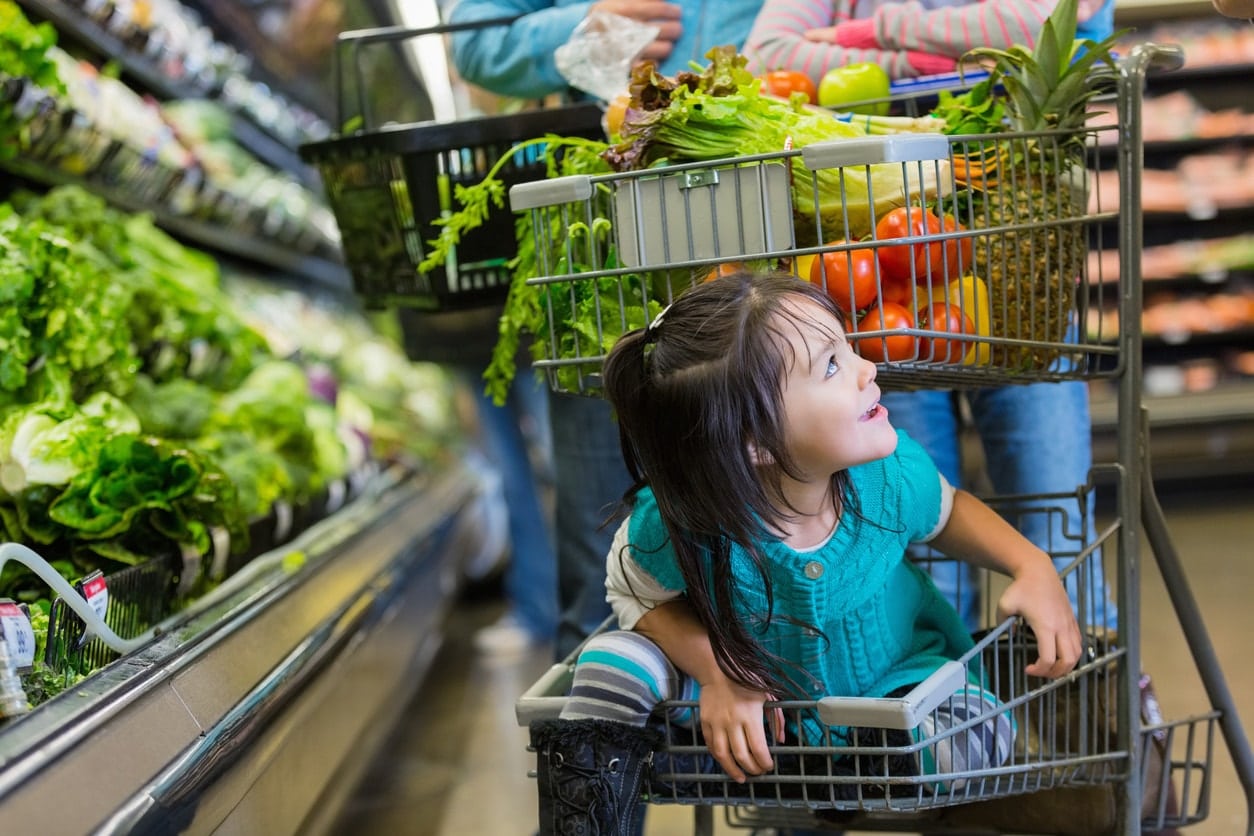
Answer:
[(457, 765)]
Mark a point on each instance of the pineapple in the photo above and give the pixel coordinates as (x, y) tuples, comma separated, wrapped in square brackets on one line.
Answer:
[(1036, 186)]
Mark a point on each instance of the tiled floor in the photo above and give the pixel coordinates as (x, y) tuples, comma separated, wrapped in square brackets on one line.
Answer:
[(458, 765)]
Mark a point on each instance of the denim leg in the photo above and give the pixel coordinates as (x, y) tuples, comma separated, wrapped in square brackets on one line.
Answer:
[(929, 416), (1037, 440), (531, 576), (590, 479)]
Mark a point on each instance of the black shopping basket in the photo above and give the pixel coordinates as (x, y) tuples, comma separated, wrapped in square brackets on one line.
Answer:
[(388, 185)]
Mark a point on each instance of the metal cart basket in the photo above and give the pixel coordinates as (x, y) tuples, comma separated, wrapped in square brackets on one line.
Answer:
[(1090, 744)]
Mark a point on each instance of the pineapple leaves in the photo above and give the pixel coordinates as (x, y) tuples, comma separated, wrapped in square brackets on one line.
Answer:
[(1062, 22), (1049, 87), (1049, 51)]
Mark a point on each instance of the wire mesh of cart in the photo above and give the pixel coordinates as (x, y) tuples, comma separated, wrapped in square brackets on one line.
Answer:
[(1005, 247)]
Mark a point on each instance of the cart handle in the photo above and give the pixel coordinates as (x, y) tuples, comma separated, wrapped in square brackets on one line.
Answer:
[(905, 712), (872, 150), (571, 188), (544, 699), (1151, 56)]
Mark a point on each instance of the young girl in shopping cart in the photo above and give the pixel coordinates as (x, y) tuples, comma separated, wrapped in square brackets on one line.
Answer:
[(763, 555)]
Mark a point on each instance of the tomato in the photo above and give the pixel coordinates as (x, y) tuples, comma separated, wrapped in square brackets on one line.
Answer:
[(858, 82), (957, 250), (885, 317), (783, 83), (941, 316), (848, 276), (894, 289), (727, 268), (924, 262)]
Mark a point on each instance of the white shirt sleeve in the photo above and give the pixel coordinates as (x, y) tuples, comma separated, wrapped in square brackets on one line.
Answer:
[(630, 590), (947, 507)]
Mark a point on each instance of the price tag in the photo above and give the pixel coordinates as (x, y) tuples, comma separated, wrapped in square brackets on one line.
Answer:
[(96, 591), (336, 493), (282, 520), (16, 630)]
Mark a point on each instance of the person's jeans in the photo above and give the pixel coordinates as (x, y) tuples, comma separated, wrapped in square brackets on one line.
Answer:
[(590, 480), (1037, 440), (531, 576)]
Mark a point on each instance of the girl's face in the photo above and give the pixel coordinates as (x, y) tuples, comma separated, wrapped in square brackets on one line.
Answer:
[(831, 401)]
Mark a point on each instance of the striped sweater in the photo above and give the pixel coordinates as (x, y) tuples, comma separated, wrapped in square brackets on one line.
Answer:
[(936, 27)]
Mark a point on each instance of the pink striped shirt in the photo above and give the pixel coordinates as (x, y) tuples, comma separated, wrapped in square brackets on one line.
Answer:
[(939, 27)]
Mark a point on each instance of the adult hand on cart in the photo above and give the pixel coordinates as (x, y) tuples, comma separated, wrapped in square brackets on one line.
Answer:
[(658, 13), (732, 723)]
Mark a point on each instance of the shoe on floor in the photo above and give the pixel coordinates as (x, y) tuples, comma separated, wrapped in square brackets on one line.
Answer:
[(507, 636)]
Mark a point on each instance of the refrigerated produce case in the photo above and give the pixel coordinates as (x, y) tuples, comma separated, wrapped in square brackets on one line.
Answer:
[(253, 708)]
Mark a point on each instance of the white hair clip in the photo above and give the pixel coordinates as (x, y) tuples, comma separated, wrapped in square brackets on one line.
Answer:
[(657, 321)]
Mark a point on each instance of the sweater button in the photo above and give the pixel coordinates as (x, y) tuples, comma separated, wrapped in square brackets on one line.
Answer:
[(814, 570)]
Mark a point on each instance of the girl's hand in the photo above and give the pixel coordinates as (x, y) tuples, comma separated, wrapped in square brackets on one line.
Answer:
[(732, 722), (1037, 594), (822, 35)]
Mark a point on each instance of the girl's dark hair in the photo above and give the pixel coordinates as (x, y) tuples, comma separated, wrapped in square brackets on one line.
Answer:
[(695, 395)]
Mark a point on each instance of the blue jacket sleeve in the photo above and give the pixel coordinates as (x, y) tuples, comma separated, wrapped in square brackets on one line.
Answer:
[(515, 60)]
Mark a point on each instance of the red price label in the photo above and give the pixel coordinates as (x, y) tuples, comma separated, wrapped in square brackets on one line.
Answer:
[(16, 631), (96, 591)]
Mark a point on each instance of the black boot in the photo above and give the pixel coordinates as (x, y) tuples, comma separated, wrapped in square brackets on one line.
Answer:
[(590, 774)]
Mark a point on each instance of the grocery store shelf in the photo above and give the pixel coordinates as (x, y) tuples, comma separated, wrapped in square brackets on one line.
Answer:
[(249, 710), (1194, 435), (1165, 153), (1129, 11), (329, 273), (1228, 404), (262, 144)]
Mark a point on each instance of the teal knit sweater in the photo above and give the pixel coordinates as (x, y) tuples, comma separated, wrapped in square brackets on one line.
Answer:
[(885, 623)]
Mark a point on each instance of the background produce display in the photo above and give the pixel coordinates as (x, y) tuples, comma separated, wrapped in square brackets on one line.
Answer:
[(142, 407), (157, 408)]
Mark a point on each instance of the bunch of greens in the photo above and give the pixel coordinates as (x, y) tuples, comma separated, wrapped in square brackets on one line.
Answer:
[(143, 495), (23, 55), (182, 324), (274, 417), (63, 316), (84, 483), (722, 113)]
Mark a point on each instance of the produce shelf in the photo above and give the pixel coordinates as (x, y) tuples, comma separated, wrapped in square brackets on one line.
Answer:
[(323, 270), (71, 22), (260, 705)]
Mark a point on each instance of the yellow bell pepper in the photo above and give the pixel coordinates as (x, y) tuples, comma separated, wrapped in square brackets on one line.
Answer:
[(972, 294)]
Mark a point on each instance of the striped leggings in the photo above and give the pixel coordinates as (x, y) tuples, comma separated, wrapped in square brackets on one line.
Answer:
[(621, 676)]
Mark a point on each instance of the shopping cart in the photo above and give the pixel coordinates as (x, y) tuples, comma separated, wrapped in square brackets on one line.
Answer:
[(1092, 753)]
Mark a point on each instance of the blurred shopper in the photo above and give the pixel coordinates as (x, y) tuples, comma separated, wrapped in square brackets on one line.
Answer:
[(517, 60), (515, 440)]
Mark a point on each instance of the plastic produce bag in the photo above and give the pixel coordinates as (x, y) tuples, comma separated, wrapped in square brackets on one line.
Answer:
[(597, 57)]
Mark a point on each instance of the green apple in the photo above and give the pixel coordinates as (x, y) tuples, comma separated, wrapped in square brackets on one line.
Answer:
[(855, 83)]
